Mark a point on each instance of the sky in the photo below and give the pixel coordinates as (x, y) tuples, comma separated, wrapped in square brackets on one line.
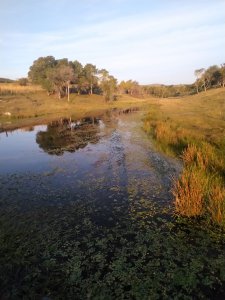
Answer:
[(150, 41)]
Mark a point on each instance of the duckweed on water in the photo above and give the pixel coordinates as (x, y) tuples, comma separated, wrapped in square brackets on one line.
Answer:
[(115, 251), (104, 231)]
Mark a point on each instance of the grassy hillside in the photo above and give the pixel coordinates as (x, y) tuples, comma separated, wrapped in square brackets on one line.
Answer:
[(31, 105), (5, 80), (194, 128)]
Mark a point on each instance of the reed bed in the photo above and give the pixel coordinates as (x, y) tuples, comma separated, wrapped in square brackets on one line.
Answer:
[(194, 129)]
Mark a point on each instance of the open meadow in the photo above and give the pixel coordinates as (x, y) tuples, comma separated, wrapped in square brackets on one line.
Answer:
[(29, 105)]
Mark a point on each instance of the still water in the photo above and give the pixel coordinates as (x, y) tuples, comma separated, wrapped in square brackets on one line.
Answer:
[(85, 213), (92, 157)]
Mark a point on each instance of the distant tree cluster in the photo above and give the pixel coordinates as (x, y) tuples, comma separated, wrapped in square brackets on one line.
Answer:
[(6, 80), (60, 76), (214, 76), (57, 76), (131, 88), (165, 91), (23, 81)]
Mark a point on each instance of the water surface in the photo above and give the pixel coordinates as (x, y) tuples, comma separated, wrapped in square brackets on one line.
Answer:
[(90, 156), (86, 212)]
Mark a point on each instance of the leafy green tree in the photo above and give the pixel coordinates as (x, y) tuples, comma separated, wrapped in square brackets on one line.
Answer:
[(90, 72), (60, 78), (213, 75), (130, 87), (108, 84), (38, 71), (79, 76)]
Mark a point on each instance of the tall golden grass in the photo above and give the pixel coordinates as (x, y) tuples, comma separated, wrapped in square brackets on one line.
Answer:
[(216, 205), (194, 129), (189, 191), (14, 88), (200, 189)]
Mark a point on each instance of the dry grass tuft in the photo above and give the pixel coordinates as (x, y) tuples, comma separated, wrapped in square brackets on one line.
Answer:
[(199, 190), (189, 155), (216, 206), (189, 191)]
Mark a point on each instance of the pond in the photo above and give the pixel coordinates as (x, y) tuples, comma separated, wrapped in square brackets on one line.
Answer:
[(87, 213)]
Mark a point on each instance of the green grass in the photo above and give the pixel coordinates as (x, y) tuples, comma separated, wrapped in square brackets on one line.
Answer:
[(193, 128)]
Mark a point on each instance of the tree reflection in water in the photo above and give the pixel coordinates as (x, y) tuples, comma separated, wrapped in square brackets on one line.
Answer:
[(68, 135)]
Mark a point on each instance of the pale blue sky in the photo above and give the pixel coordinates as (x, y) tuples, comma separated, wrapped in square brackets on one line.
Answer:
[(151, 41)]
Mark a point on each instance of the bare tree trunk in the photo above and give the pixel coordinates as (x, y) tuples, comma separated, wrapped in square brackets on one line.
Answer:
[(204, 86), (68, 92), (197, 89)]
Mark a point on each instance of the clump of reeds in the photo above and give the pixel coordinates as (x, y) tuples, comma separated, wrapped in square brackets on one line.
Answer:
[(199, 190), (216, 205), (189, 191)]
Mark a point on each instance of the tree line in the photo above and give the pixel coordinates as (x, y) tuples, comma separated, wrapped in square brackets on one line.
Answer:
[(61, 76), (212, 77), (57, 76)]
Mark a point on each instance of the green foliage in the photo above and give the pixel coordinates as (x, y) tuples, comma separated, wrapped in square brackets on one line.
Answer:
[(130, 87), (165, 91), (23, 81), (208, 78), (56, 75), (108, 85), (38, 71)]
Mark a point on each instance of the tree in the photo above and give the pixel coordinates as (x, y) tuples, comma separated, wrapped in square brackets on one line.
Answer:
[(38, 71), (90, 72), (213, 76), (60, 78), (108, 84), (198, 74), (130, 87), (78, 71)]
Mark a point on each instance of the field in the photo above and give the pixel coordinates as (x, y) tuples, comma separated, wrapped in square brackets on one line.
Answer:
[(23, 106), (15, 89), (194, 129)]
